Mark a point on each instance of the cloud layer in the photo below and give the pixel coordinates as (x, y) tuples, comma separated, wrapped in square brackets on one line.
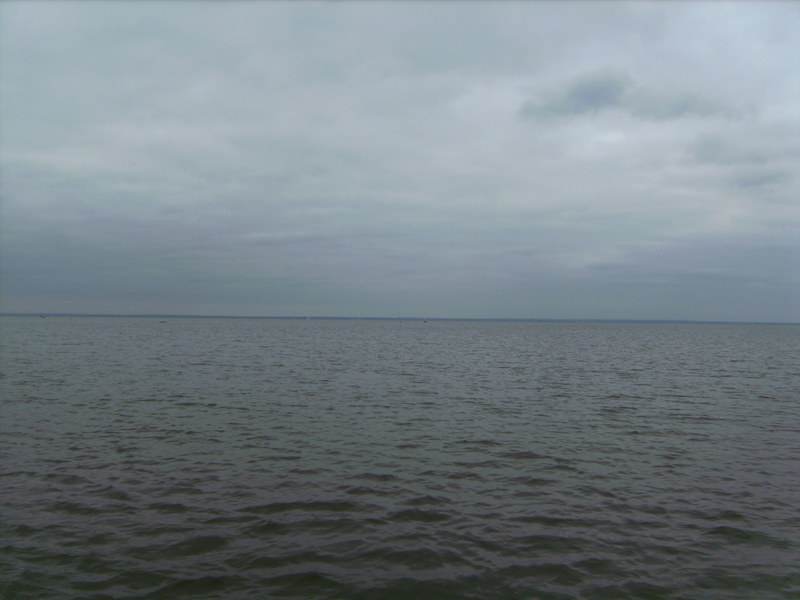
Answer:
[(541, 160)]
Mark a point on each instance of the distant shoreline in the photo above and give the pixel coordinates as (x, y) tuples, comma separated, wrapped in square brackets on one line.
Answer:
[(421, 319)]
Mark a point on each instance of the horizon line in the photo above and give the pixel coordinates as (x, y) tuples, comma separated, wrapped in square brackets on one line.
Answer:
[(398, 318)]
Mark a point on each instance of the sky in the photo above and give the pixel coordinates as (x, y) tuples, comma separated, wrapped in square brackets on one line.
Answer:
[(567, 160)]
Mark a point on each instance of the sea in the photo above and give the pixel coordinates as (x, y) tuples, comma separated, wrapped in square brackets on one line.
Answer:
[(237, 458)]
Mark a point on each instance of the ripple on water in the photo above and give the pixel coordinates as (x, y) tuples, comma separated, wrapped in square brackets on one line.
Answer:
[(312, 506), (387, 461), (419, 515), (751, 537)]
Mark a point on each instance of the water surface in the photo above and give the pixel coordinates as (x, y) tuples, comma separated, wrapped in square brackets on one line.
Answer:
[(263, 458)]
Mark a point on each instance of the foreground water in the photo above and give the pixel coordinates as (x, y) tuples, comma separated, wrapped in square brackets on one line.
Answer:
[(230, 458)]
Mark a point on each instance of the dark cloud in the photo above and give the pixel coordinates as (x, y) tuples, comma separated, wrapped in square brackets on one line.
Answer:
[(761, 178), (587, 95), (593, 93), (715, 150), (665, 106)]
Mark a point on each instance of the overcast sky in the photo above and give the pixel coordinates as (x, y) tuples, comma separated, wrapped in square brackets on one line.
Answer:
[(632, 160)]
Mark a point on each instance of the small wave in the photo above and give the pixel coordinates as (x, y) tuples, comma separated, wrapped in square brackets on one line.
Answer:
[(744, 536), (377, 476), (192, 546), (367, 491), (550, 543), (417, 559), (327, 527), (550, 573), (480, 443), (534, 481), (168, 507), (467, 588), (563, 467), (559, 521), (631, 590), (320, 506), (198, 587), (72, 508), (525, 455), (483, 464), (112, 493), (427, 500), (181, 490), (418, 515), (198, 545), (141, 580), (598, 566), (19, 473), (723, 515), (463, 475), (148, 530), (307, 584), (66, 479), (24, 530), (266, 528), (101, 539)]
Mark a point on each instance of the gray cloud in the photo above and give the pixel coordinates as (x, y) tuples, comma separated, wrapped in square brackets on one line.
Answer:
[(665, 106), (597, 92), (485, 160), (755, 178), (587, 95)]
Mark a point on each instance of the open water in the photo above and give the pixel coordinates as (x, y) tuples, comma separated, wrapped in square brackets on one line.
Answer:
[(355, 459)]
